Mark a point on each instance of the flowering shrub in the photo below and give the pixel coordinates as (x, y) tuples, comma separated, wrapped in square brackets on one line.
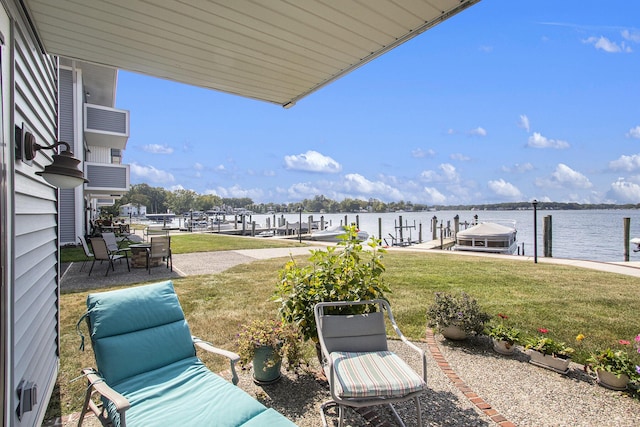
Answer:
[(546, 345), (284, 339), (502, 332), (615, 361), (459, 310)]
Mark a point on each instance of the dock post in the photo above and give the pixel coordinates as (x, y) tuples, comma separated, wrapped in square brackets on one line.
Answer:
[(321, 222), (627, 233), (420, 233), (456, 224), (548, 236), (400, 221), (535, 231), (345, 221), (310, 219), (434, 228), (380, 230), (253, 229), (358, 222)]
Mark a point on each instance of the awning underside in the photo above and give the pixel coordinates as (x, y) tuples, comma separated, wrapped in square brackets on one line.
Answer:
[(276, 51)]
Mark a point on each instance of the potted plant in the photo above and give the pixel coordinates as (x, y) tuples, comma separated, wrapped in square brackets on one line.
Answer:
[(456, 315), (345, 272), (265, 344), (614, 368), (504, 337), (548, 353)]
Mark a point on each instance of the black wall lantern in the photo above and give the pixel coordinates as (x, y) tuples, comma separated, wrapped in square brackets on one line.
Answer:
[(63, 172)]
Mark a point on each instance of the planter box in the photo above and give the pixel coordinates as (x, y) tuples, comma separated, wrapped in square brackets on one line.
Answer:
[(611, 381), (454, 332), (556, 364), (503, 347)]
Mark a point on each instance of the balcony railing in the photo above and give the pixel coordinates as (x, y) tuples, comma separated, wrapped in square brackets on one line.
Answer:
[(106, 180), (105, 126)]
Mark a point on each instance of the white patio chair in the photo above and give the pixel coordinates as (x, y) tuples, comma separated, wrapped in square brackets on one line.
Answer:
[(357, 362)]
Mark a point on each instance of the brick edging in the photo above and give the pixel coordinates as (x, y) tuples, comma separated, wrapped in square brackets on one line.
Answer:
[(478, 401)]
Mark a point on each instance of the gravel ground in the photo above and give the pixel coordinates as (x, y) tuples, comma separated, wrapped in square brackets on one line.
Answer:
[(526, 395)]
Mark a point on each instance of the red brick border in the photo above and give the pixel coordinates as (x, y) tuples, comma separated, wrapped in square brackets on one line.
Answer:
[(478, 401)]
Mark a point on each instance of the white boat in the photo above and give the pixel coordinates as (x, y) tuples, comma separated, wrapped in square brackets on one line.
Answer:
[(331, 234), (636, 241), (488, 237)]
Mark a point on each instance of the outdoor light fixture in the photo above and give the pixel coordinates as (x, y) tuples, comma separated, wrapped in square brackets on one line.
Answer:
[(63, 172)]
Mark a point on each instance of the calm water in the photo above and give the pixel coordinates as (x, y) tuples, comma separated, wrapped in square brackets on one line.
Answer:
[(591, 235)]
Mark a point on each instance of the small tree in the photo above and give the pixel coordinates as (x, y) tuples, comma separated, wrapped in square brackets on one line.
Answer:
[(349, 274)]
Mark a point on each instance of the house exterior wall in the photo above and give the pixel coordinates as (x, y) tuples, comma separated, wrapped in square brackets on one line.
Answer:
[(70, 204), (29, 208)]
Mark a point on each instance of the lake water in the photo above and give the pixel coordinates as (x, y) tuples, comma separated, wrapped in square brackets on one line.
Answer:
[(596, 235)]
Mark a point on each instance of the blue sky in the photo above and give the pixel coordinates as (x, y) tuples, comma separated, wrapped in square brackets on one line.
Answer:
[(507, 101)]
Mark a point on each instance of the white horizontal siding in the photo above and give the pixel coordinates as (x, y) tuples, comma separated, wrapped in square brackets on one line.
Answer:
[(34, 283)]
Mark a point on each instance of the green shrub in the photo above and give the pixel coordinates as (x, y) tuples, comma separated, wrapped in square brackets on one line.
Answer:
[(346, 272)]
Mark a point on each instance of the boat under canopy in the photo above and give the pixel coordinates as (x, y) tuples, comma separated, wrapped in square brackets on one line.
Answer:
[(488, 237)]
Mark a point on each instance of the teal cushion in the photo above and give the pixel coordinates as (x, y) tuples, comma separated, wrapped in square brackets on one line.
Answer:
[(137, 329), (187, 394), (373, 374)]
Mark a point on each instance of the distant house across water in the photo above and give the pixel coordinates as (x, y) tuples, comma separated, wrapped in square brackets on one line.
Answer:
[(133, 210)]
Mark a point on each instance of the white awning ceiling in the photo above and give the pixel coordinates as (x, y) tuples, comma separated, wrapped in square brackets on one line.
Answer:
[(273, 50)]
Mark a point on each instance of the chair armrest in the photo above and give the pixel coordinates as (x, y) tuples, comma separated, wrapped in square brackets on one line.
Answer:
[(233, 357), (411, 345), (97, 382)]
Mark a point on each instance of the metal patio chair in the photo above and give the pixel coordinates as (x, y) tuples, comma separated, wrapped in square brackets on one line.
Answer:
[(159, 248), (87, 251), (102, 253), (357, 362)]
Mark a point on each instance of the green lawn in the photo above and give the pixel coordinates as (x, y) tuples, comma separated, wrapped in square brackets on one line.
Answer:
[(566, 300)]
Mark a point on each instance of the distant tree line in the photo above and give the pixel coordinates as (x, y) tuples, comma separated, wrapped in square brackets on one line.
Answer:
[(159, 200)]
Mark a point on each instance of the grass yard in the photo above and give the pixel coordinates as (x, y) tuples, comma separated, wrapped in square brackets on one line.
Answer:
[(566, 300)]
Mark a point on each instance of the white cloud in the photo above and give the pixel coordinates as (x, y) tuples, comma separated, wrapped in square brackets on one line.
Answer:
[(518, 168), (198, 166), (312, 161), (459, 156), (447, 173), (220, 168), (564, 177), (633, 37), (433, 196), (625, 191), (357, 185), (152, 174), (607, 45), (478, 131), (157, 149), (304, 190), (634, 133), (503, 188), (538, 141), (626, 163), (486, 49), (419, 153), (237, 192), (524, 123)]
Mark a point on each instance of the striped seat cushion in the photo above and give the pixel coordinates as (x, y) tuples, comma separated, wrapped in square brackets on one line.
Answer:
[(373, 374)]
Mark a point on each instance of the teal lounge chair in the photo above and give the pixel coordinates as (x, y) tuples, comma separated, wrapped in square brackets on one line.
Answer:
[(148, 373)]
